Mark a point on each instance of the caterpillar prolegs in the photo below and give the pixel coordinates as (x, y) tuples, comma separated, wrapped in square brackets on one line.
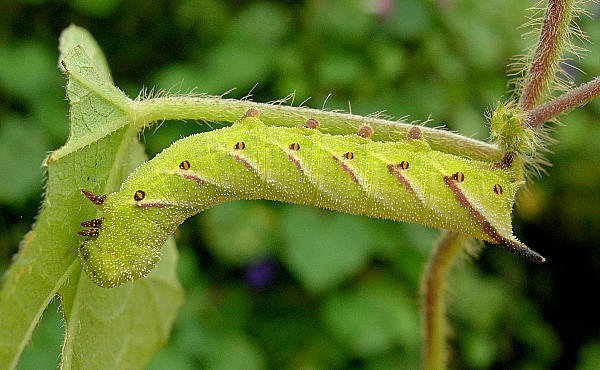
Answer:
[(404, 181)]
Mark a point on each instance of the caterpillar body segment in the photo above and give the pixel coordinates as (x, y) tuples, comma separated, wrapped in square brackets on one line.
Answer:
[(403, 181)]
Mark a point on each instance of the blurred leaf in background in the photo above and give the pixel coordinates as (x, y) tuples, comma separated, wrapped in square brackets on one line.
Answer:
[(280, 286)]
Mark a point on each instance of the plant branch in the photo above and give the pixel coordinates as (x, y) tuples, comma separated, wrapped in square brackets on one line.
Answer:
[(335, 123), (563, 103), (433, 306), (546, 56)]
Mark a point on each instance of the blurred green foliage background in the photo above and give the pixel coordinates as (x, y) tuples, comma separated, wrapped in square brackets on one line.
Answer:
[(279, 286)]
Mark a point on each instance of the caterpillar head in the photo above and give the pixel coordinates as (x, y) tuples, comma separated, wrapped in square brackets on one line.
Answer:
[(119, 247)]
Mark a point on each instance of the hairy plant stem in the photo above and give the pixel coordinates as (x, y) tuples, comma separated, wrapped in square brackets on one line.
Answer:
[(546, 57), (433, 307), (563, 103), (230, 110)]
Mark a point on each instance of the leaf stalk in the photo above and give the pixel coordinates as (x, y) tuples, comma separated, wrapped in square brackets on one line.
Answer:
[(433, 306), (212, 109)]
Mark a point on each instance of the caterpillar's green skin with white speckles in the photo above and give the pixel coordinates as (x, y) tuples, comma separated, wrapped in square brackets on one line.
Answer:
[(371, 183)]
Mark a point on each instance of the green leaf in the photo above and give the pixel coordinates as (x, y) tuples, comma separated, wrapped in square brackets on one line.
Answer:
[(73, 36), (589, 356), (20, 146), (28, 81), (95, 8), (121, 327), (372, 318), (104, 328), (234, 237), (233, 351), (47, 340), (97, 107), (323, 251)]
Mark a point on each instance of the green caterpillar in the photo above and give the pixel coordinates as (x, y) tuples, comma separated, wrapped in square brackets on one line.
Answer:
[(403, 181)]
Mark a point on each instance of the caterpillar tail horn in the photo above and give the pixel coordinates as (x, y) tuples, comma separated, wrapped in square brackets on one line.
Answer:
[(520, 249)]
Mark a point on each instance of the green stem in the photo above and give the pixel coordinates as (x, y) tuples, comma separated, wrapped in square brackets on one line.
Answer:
[(335, 123), (433, 305)]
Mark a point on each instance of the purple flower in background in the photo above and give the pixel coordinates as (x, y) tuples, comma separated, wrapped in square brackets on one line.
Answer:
[(381, 8), (260, 273)]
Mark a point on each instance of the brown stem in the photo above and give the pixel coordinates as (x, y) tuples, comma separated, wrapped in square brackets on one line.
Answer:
[(563, 103), (545, 58), (433, 306)]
